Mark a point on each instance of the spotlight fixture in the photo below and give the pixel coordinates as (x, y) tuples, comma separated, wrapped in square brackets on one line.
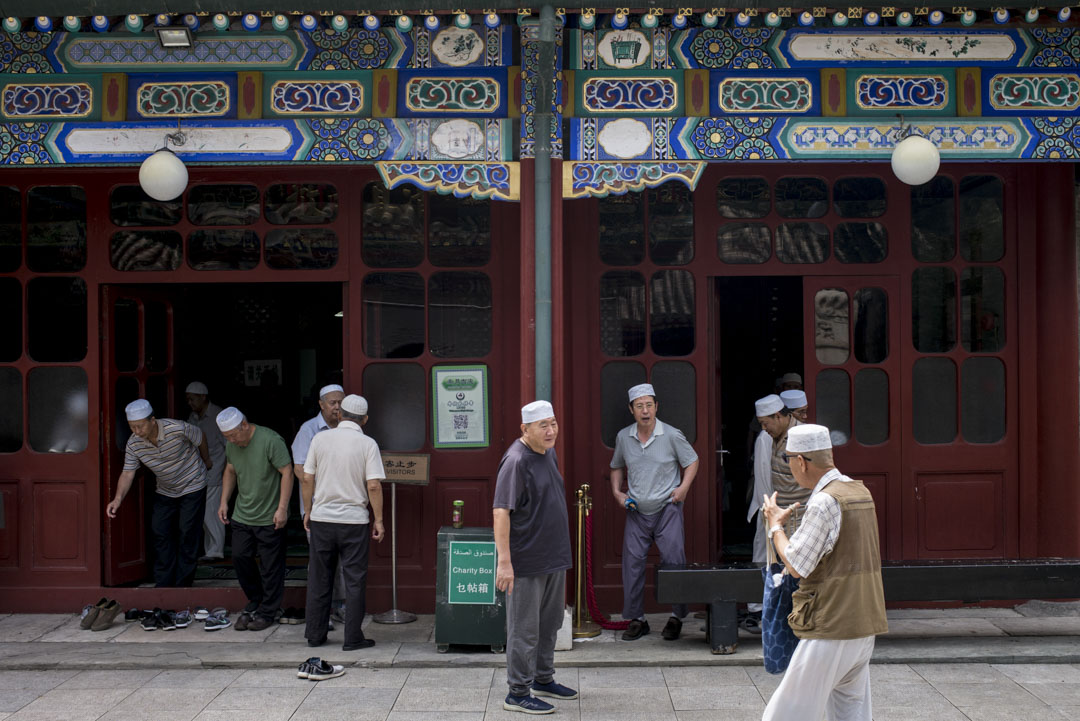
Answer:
[(175, 37)]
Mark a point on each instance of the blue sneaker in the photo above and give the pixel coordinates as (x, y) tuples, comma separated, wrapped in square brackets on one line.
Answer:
[(554, 690), (527, 704)]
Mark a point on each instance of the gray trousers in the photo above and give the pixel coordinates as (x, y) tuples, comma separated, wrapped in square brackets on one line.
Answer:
[(666, 530), (213, 528), (534, 614)]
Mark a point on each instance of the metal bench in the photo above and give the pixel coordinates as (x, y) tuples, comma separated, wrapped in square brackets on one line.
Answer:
[(721, 587)]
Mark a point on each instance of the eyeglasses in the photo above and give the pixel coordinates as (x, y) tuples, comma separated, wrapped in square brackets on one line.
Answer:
[(788, 456)]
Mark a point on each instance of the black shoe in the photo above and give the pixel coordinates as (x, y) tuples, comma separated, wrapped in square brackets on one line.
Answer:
[(672, 629), (315, 643), (259, 623), (752, 623), (322, 670), (150, 620), (527, 704), (292, 616), (366, 643), (635, 630), (242, 621)]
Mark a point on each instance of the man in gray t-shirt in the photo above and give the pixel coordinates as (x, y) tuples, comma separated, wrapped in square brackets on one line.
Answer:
[(659, 465)]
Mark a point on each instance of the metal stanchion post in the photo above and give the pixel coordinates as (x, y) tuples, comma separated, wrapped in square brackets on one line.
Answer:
[(393, 615), (583, 625)]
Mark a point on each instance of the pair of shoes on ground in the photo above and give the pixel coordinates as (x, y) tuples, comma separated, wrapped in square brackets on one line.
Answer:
[(751, 623), (215, 620), (99, 616), (292, 616), (159, 618), (165, 620), (362, 644), (638, 628), (250, 621), (533, 705), (315, 669)]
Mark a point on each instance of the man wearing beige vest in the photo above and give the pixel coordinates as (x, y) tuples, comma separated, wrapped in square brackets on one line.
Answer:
[(839, 607)]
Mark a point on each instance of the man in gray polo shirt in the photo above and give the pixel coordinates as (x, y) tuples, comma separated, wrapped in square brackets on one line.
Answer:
[(175, 452), (659, 465)]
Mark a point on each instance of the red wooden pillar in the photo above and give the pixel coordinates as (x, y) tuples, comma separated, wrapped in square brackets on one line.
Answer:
[(1058, 353)]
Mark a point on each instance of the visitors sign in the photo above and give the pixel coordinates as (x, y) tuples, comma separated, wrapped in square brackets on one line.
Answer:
[(472, 572), (410, 469)]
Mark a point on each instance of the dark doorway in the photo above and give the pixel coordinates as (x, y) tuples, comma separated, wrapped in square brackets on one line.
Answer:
[(265, 348), (760, 326)]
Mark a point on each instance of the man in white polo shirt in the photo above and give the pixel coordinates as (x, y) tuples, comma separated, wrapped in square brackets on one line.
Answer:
[(175, 452), (342, 493)]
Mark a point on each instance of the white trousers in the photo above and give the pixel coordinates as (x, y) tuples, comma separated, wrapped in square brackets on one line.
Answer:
[(213, 528), (825, 680)]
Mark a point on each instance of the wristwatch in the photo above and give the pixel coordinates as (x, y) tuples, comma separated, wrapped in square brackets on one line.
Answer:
[(774, 529)]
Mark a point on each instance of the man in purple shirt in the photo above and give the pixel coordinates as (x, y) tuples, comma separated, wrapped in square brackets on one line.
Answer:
[(532, 541)]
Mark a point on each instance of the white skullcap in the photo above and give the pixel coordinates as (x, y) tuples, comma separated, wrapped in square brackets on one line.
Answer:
[(137, 410), (765, 407), (229, 419), (791, 378), (808, 437), (330, 389), (638, 391), (794, 399), (537, 411), (357, 405), (197, 388)]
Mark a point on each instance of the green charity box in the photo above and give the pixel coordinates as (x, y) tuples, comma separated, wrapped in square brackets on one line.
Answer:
[(468, 609)]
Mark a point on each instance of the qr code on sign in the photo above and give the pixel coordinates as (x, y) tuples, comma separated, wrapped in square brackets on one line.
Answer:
[(461, 423)]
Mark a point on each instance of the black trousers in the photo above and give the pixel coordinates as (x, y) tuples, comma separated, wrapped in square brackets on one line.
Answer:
[(330, 544), (263, 582), (177, 527)]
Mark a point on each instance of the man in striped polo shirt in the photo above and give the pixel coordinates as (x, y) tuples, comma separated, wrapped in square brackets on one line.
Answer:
[(175, 452)]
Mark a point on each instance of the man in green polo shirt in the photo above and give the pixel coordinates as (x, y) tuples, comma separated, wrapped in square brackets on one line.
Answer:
[(260, 469)]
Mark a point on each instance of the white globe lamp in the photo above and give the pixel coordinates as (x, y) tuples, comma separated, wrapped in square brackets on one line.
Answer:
[(163, 176), (915, 160)]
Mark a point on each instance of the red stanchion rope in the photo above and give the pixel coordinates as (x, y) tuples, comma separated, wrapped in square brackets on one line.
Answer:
[(590, 593)]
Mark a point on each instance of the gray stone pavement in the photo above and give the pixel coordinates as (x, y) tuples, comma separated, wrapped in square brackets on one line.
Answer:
[(1034, 633), (901, 692), (965, 664)]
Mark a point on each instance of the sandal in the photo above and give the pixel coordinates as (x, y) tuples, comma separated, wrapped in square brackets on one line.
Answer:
[(750, 624)]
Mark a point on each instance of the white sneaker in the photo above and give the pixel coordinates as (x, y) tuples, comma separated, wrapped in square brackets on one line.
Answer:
[(322, 670)]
